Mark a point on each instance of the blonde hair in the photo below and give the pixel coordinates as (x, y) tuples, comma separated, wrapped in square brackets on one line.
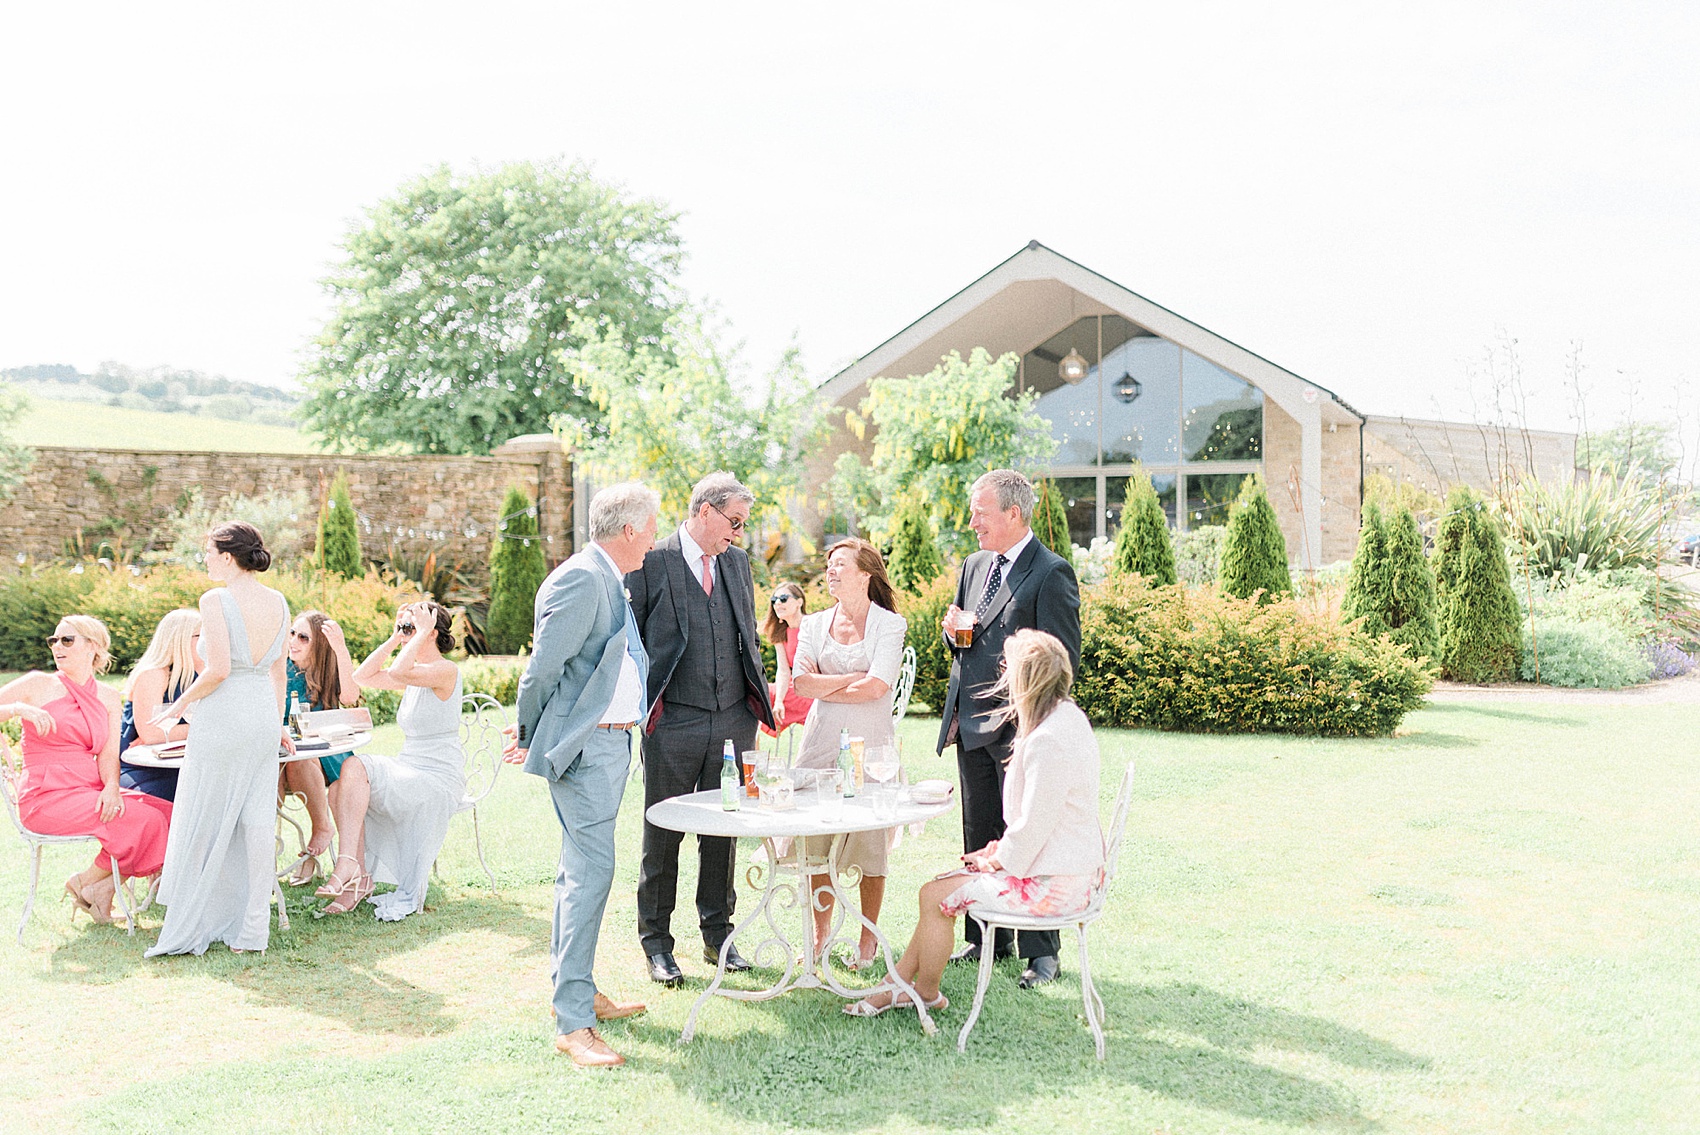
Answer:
[(95, 631), (1036, 678), (171, 649)]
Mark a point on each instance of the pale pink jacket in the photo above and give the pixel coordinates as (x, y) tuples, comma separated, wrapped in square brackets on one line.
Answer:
[(1050, 800)]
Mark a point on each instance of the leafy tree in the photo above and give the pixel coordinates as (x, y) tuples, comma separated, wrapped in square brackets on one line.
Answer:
[(1142, 544), (935, 434), (1254, 557), (914, 560), (1392, 586), (1652, 446), (517, 570), (1050, 520), (457, 294), (15, 459), (1480, 640), (339, 533), (673, 414)]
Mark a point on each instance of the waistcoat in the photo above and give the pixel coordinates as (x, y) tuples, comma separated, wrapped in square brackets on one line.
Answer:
[(709, 675)]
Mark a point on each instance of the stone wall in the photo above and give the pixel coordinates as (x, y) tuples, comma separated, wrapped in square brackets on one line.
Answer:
[(1434, 456), (417, 501)]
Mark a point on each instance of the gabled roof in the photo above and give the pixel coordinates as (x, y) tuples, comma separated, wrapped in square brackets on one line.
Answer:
[(1036, 293)]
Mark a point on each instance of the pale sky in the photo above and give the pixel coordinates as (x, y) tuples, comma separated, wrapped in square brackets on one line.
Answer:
[(1365, 194)]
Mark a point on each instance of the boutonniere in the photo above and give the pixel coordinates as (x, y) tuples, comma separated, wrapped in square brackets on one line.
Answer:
[(628, 592)]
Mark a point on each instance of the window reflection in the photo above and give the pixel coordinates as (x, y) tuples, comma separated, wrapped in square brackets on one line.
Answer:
[(1080, 502), (1071, 410), (1115, 496), (1223, 415), (1147, 427), (1208, 496)]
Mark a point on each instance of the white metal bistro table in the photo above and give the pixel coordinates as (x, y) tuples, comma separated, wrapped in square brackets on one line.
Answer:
[(149, 756), (699, 813)]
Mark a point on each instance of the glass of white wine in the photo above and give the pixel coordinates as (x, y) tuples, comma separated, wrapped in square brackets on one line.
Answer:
[(880, 763)]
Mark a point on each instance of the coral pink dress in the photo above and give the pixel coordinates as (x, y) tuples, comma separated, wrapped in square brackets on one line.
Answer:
[(60, 790), (796, 705)]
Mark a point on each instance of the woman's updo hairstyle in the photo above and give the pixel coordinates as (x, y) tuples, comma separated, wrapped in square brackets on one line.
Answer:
[(242, 542), (442, 621)]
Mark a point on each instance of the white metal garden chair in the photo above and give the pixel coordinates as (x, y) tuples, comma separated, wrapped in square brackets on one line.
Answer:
[(905, 687), (990, 923), (482, 720), (37, 841)]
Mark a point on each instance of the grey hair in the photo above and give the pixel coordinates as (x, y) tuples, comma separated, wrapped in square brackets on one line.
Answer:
[(718, 490), (1013, 490), (619, 505)]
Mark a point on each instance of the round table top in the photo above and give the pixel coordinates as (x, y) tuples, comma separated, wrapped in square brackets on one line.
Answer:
[(700, 814), (147, 756)]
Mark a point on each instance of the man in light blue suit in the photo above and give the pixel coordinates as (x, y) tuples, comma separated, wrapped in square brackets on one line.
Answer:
[(583, 693)]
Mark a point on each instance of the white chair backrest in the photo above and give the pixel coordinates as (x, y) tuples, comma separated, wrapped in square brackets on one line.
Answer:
[(482, 720), (8, 787), (319, 720), (905, 686), (1118, 824)]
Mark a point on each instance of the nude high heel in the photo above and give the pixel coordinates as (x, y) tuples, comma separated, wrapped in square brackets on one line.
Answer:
[(332, 889)]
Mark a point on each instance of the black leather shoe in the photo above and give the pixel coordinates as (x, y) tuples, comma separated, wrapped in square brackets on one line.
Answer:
[(663, 969), (968, 953), (1039, 971), (735, 962)]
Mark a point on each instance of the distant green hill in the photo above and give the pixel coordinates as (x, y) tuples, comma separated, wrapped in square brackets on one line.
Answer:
[(51, 422)]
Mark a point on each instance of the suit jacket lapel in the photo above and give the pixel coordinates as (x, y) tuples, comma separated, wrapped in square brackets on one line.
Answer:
[(1011, 577), (678, 576)]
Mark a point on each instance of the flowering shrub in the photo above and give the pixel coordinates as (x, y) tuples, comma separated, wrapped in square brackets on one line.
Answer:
[(1668, 660), (1582, 653), (1199, 660)]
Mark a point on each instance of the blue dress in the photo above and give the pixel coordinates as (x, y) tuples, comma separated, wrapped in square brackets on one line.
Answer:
[(160, 782)]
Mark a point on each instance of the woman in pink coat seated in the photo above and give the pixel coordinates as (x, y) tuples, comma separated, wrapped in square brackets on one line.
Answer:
[(1050, 860)]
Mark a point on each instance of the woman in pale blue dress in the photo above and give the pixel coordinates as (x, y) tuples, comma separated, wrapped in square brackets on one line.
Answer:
[(392, 813), (220, 860)]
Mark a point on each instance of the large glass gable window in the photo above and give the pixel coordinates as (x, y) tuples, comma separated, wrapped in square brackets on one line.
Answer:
[(1196, 428)]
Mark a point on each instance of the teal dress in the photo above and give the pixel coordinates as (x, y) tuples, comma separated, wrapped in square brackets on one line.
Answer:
[(296, 687)]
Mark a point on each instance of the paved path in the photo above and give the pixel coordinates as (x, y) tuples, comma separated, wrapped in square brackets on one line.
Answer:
[(1682, 691)]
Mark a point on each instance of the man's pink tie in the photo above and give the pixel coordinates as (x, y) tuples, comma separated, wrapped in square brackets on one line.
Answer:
[(707, 575)]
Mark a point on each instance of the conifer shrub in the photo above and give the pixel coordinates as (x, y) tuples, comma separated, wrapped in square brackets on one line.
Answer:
[(517, 570), (1254, 556), (924, 609), (1199, 660), (1480, 639), (1391, 587), (1142, 544), (339, 533), (1050, 520), (914, 559)]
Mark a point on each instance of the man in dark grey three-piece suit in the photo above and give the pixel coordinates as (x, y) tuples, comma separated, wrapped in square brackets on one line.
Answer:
[(1013, 583), (694, 600), (582, 696)]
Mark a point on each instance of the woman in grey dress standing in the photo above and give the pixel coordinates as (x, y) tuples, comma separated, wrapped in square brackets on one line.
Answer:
[(392, 813), (220, 860)]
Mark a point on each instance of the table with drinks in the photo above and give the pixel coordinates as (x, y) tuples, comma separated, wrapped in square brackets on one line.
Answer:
[(774, 802)]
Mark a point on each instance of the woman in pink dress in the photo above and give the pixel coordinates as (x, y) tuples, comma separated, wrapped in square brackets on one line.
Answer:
[(784, 620), (1050, 859), (70, 781)]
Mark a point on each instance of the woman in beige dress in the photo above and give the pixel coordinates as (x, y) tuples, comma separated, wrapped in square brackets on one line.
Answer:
[(848, 660)]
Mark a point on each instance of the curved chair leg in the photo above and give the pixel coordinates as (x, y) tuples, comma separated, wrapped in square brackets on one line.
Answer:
[(1089, 993), (988, 939), (29, 899), (478, 842), (126, 900)]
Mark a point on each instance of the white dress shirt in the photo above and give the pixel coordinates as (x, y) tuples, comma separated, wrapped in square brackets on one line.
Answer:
[(627, 705), (693, 554)]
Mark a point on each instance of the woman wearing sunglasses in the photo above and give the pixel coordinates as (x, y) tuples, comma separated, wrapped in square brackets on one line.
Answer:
[(70, 777), (392, 813), (784, 617), (320, 675)]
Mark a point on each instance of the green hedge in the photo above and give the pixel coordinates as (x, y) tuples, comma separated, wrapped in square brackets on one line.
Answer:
[(925, 610), (1202, 661)]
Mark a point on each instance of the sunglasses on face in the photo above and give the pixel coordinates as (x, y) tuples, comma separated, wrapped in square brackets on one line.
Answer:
[(56, 639), (302, 636), (736, 523), (404, 628), (785, 598)]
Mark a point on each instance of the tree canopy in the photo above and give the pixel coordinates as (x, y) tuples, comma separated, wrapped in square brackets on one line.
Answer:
[(456, 295), (936, 433)]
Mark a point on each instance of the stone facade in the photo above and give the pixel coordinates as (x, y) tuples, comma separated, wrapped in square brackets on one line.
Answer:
[(1434, 456), (1341, 489), (418, 501)]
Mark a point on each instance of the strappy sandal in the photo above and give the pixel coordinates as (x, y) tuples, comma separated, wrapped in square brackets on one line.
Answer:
[(307, 868), (333, 889), (76, 896), (359, 888), (899, 1000)]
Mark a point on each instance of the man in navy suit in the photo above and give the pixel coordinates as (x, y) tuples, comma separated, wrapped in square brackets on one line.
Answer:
[(583, 694), (1013, 583)]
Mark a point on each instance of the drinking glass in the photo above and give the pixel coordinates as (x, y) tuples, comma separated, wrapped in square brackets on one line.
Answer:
[(829, 786), (882, 767)]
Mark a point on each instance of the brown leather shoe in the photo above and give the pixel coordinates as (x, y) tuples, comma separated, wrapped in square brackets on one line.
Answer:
[(608, 1009), (588, 1050)]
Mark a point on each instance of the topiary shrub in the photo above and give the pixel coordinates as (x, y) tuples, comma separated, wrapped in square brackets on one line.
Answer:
[(924, 609), (339, 533), (517, 570), (914, 559), (1369, 585), (1254, 553), (1391, 587), (1203, 661), (1480, 639), (1142, 544), (1583, 653), (1050, 520)]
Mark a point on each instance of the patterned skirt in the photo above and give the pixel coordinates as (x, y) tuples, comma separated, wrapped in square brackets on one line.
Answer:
[(1043, 896)]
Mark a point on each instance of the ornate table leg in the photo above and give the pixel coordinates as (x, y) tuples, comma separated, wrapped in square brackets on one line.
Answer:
[(892, 976), (774, 893)]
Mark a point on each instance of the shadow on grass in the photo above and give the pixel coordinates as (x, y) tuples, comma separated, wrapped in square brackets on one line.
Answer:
[(1183, 1042), (331, 967), (1550, 715)]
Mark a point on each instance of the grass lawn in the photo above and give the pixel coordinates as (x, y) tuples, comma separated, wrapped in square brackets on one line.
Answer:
[(52, 422), (1483, 924)]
